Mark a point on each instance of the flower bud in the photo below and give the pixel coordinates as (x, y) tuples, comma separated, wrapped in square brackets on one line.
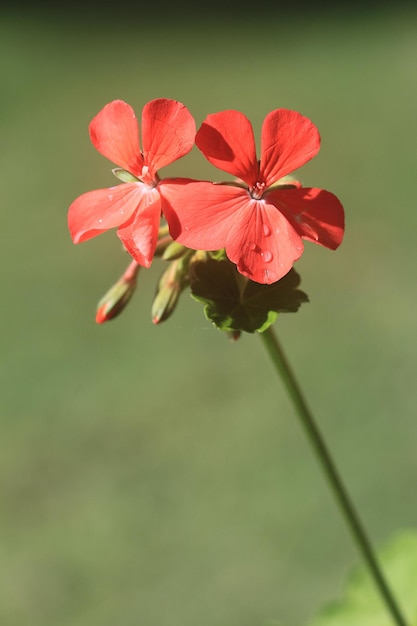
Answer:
[(117, 297), (174, 251), (172, 282), (165, 302)]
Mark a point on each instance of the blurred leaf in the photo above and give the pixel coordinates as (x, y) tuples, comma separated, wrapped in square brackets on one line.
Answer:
[(234, 303), (362, 605)]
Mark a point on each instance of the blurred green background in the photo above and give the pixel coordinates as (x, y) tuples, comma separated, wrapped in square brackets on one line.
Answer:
[(157, 475)]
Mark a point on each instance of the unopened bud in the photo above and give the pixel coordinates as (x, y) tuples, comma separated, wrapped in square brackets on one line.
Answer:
[(117, 297), (171, 284), (174, 251), (165, 302)]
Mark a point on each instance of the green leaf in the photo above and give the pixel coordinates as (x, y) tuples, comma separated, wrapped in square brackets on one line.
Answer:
[(362, 604), (235, 303)]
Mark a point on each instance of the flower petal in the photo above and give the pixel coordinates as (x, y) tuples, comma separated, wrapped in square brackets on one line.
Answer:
[(114, 133), (317, 215), (200, 213), (209, 216), (288, 141), (139, 236), (96, 211), (168, 132), (226, 139), (263, 244)]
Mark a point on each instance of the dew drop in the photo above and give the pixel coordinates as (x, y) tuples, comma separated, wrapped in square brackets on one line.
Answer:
[(252, 246), (266, 229), (100, 221), (267, 256), (110, 196)]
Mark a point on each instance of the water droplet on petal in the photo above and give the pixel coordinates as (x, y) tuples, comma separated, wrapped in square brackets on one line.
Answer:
[(110, 197), (100, 221), (252, 246), (266, 229), (267, 256)]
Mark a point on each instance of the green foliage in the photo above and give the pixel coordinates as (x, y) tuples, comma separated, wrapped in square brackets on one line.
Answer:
[(234, 303), (362, 605)]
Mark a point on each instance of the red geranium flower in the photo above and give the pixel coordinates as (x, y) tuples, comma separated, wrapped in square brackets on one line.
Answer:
[(259, 222), (168, 132)]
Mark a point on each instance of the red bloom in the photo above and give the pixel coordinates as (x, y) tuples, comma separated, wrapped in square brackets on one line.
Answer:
[(260, 223), (168, 132)]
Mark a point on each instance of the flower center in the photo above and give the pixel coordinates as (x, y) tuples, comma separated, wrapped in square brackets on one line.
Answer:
[(257, 190), (147, 178)]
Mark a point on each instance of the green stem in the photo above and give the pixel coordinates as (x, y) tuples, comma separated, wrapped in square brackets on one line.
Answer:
[(348, 511)]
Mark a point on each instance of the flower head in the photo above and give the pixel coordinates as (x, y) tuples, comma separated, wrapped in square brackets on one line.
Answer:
[(134, 207), (259, 220)]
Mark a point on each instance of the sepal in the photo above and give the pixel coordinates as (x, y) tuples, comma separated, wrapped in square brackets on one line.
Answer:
[(124, 176)]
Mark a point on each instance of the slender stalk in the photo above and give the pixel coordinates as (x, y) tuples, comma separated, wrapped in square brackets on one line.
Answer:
[(348, 511)]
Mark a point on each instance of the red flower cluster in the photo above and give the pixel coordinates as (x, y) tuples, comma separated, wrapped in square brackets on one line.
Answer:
[(259, 218)]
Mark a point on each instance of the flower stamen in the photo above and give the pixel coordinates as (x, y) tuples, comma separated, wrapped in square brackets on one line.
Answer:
[(257, 190)]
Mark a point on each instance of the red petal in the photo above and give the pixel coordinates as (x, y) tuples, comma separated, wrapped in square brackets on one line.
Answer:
[(168, 132), (263, 244), (199, 213), (140, 234), (114, 133), (317, 215), (96, 211), (209, 216), (289, 140), (226, 140)]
